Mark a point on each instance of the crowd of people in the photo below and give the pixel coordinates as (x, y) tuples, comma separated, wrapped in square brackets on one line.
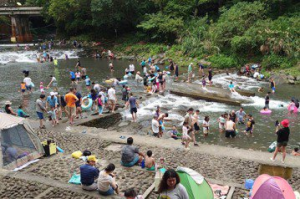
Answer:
[(105, 181)]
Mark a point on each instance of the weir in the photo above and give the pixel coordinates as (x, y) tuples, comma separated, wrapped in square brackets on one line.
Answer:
[(19, 17)]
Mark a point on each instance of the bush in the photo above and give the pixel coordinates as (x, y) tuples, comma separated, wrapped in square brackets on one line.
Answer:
[(223, 61), (274, 61)]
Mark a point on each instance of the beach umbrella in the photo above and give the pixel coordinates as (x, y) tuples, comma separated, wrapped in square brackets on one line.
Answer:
[(272, 187)]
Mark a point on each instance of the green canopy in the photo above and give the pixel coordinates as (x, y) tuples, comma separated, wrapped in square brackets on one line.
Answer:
[(195, 191)]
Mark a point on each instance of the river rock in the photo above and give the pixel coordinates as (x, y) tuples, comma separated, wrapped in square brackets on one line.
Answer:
[(123, 124), (204, 62), (129, 57), (298, 78), (291, 81), (291, 77)]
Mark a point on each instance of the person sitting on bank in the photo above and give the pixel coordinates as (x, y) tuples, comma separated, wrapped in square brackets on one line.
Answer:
[(296, 152), (149, 161), (106, 181), (131, 194), (88, 174), (21, 113), (130, 155)]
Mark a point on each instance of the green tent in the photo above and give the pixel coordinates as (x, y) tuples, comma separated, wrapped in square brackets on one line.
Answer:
[(195, 191)]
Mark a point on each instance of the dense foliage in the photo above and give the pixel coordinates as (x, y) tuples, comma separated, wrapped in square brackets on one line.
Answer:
[(225, 32)]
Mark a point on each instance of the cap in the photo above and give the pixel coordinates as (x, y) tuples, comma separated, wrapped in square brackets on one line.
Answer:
[(92, 158), (285, 123)]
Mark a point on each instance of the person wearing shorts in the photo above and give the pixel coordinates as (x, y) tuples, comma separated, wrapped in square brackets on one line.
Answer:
[(73, 77), (112, 99), (133, 106), (230, 129), (282, 139), (23, 87), (71, 100), (155, 126), (40, 109), (28, 83), (250, 125)]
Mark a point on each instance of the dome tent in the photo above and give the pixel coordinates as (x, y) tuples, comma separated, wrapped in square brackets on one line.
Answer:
[(195, 184), (272, 187), (19, 144)]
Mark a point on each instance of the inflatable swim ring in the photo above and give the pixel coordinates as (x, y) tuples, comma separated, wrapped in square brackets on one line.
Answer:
[(129, 74), (272, 147), (266, 112), (295, 109), (109, 81), (123, 82), (32, 85), (125, 76), (86, 103)]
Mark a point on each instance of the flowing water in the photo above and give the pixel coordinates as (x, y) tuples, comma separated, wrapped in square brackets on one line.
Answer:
[(13, 63)]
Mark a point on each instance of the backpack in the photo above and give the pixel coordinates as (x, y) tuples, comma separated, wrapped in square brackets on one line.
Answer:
[(99, 101)]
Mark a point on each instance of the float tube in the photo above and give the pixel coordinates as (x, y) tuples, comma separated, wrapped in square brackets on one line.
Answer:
[(123, 82), (266, 112), (295, 109), (86, 103), (109, 81)]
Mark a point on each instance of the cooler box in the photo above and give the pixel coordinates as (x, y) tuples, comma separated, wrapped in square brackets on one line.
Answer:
[(49, 147)]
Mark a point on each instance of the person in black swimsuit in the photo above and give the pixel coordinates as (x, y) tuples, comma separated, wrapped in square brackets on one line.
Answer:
[(210, 75), (171, 66), (176, 72), (8, 109)]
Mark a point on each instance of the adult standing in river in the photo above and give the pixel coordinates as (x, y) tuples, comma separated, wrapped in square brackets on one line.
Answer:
[(272, 85), (176, 72), (133, 106), (53, 82), (112, 99), (28, 84), (210, 75), (71, 99), (190, 72), (282, 139)]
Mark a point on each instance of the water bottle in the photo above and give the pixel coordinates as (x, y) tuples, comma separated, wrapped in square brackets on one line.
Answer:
[(143, 164)]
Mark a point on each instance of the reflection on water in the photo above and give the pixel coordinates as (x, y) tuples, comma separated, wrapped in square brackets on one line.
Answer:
[(11, 76)]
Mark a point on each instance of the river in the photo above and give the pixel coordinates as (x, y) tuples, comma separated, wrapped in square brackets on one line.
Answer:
[(12, 64)]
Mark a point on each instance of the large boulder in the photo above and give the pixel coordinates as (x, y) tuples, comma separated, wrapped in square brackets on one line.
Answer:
[(298, 78), (291, 81), (291, 77)]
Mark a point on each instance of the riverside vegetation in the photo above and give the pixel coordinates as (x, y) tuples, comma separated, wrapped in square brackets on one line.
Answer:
[(226, 33)]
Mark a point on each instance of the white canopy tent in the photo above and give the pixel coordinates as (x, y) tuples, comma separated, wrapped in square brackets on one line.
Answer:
[(19, 144)]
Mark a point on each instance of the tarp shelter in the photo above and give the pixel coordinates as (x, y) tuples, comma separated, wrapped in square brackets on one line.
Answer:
[(196, 190), (18, 142), (272, 187)]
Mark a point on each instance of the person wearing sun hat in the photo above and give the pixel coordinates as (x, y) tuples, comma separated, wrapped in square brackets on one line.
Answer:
[(282, 139), (8, 108), (89, 173)]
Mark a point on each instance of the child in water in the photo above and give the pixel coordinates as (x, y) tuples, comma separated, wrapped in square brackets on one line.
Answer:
[(203, 83), (42, 87), (174, 133), (185, 137), (296, 152), (23, 87), (149, 161)]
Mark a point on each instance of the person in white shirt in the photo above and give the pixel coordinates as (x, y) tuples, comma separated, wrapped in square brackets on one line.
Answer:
[(112, 99), (185, 137), (205, 126), (28, 83), (106, 182), (138, 78), (155, 126), (131, 68), (53, 82)]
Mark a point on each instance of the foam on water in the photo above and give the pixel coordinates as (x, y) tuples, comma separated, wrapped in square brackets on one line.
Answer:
[(31, 56), (175, 104), (245, 83)]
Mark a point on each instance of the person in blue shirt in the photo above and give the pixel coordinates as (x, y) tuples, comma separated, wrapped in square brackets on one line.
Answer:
[(52, 101), (72, 74), (21, 113), (149, 61), (88, 174), (231, 87), (157, 68)]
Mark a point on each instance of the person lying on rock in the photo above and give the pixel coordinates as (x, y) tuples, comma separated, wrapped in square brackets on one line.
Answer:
[(130, 154), (88, 174)]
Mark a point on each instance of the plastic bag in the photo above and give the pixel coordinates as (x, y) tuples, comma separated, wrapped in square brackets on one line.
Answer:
[(75, 179)]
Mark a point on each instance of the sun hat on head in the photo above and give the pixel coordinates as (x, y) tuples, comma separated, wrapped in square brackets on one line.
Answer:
[(92, 158), (53, 93), (285, 123), (8, 103)]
